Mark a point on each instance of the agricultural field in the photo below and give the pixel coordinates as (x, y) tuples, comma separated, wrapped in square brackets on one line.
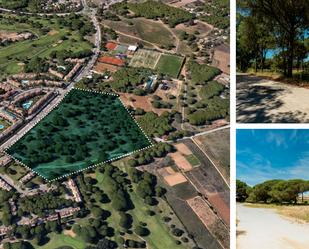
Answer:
[(50, 35), (78, 133), (216, 145), (153, 32)]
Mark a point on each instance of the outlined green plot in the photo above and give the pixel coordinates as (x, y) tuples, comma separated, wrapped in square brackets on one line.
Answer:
[(86, 129)]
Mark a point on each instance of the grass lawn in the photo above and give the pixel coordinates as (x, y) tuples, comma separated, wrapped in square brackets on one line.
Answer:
[(13, 55), (80, 132), (193, 160), (59, 240), (170, 65)]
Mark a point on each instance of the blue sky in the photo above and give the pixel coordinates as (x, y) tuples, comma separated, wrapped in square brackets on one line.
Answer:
[(264, 154)]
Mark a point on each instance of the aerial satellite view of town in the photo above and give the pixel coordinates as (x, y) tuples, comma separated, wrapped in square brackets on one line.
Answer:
[(114, 124)]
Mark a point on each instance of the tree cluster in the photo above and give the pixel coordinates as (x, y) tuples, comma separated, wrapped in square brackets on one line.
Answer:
[(154, 10), (278, 26), (273, 191)]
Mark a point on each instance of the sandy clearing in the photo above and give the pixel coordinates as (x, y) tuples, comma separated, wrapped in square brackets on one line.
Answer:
[(175, 179), (264, 228), (143, 102), (181, 162), (222, 58), (69, 233), (182, 148), (260, 100)]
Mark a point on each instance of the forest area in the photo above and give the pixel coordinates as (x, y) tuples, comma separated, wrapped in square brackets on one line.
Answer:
[(273, 36)]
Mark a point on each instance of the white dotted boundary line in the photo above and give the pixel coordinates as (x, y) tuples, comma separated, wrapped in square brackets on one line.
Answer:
[(91, 166), (135, 121)]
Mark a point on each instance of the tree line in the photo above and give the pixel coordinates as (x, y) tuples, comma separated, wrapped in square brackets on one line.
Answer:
[(279, 26), (273, 191)]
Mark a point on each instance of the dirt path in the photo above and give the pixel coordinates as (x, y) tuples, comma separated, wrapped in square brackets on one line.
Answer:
[(261, 100), (264, 228)]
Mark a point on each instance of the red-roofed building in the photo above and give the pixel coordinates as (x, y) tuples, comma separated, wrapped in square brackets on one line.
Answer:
[(111, 45), (111, 60)]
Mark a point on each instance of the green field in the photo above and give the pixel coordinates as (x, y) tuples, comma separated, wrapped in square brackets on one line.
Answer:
[(193, 160), (60, 240), (170, 65), (85, 129), (13, 56)]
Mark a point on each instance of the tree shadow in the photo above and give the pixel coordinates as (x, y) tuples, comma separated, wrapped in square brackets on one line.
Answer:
[(255, 103)]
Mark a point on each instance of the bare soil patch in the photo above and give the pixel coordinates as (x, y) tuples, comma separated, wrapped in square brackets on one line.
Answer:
[(182, 148), (221, 58), (172, 177), (69, 233), (102, 67), (224, 210), (210, 220), (143, 102), (181, 162)]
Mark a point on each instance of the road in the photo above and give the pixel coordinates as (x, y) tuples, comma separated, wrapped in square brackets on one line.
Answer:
[(260, 100), (62, 92)]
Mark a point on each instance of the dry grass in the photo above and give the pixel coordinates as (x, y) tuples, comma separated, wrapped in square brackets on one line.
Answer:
[(298, 213)]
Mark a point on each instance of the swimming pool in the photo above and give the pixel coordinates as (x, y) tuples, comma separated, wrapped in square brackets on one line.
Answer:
[(2, 127), (27, 105)]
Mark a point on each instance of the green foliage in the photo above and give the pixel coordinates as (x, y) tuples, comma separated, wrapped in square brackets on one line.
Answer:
[(201, 73), (39, 204), (79, 133), (211, 89), (36, 65), (127, 79), (155, 125), (277, 191), (217, 13), (242, 190), (216, 108), (153, 10)]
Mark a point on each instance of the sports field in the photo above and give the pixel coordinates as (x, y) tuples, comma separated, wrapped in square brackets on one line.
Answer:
[(164, 63), (145, 58), (85, 129), (170, 65)]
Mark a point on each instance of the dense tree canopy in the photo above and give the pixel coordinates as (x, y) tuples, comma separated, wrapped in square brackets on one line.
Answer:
[(276, 25)]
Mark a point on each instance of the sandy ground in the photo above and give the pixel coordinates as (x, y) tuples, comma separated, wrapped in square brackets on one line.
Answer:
[(264, 228), (143, 102), (172, 177), (181, 162), (260, 100), (182, 148), (222, 58)]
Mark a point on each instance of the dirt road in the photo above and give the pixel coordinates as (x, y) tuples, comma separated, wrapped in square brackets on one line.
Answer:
[(264, 228), (264, 101)]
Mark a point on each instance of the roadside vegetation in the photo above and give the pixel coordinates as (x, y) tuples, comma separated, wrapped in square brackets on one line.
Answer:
[(273, 191), (204, 101)]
